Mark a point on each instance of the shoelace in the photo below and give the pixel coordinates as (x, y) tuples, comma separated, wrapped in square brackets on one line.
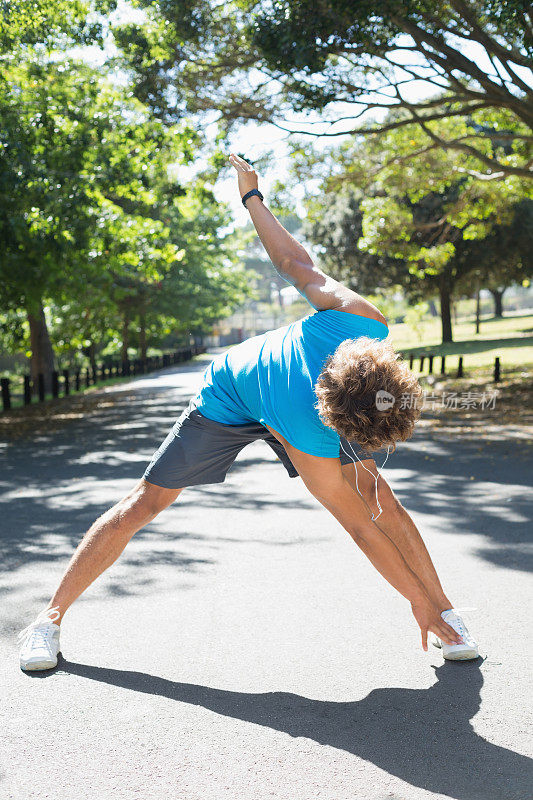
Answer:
[(459, 623), (39, 629), (463, 630)]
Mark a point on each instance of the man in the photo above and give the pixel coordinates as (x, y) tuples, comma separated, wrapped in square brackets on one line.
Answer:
[(324, 394)]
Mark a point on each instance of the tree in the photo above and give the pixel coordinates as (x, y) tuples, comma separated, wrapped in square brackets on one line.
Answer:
[(255, 60), (24, 23), (334, 225), (505, 256), (432, 232), (45, 194), (86, 209), (338, 229)]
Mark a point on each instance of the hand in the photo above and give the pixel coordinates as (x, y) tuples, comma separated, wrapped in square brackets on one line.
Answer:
[(429, 619), (246, 175)]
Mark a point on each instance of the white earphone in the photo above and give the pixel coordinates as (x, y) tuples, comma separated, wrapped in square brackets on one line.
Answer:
[(376, 477)]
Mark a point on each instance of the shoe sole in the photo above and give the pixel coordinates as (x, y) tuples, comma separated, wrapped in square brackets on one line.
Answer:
[(40, 665), (467, 655)]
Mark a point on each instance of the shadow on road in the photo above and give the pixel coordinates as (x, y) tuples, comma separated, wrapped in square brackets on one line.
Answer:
[(422, 736), (444, 478)]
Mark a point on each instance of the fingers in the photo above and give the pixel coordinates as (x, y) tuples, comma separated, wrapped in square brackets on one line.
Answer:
[(447, 633), (458, 639), (235, 164), (424, 633), (240, 163)]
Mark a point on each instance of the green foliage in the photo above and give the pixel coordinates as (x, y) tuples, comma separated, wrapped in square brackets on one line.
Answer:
[(92, 222), (432, 60), (39, 22), (382, 218), (419, 209), (302, 34)]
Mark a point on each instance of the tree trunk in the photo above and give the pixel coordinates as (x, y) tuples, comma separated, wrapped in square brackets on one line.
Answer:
[(125, 336), (92, 356), (445, 309), (142, 337), (433, 308), (497, 295), (478, 309), (42, 354)]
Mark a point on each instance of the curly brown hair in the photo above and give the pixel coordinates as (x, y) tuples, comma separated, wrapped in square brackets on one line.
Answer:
[(352, 394)]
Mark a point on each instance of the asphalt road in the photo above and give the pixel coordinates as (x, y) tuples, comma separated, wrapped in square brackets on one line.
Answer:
[(243, 648)]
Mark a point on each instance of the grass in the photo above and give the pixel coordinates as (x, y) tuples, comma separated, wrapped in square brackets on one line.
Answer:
[(510, 338)]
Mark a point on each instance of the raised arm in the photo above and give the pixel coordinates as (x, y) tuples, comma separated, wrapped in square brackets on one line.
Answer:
[(292, 261)]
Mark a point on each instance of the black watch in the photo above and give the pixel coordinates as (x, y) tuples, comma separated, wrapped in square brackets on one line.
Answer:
[(251, 193)]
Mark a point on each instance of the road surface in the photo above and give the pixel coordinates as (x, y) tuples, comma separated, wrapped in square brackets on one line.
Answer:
[(243, 648)]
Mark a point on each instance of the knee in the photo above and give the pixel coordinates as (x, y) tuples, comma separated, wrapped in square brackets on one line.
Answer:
[(148, 500)]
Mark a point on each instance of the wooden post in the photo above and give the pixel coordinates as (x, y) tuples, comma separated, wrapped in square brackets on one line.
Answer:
[(66, 385), (411, 360), (55, 383), (422, 360), (497, 369), (6, 396), (460, 367), (27, 390), (443, 365), (430, 365), (40, 387)]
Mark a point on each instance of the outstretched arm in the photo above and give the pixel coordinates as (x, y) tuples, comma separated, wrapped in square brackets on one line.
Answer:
[(397, 524), (325, 480), (292, 261)]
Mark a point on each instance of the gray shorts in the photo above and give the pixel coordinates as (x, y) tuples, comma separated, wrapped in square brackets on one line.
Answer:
[(199, 450)]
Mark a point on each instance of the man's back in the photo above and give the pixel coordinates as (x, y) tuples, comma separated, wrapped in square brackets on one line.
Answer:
[(270, 378)]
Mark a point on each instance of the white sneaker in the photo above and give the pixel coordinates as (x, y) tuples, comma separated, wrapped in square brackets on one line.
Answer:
[(457, 652), (40, 641)]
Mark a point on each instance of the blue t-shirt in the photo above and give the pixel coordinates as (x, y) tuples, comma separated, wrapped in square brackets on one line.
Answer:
[(270, 378)]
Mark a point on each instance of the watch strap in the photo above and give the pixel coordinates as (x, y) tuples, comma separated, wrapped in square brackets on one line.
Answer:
[(251, 193)]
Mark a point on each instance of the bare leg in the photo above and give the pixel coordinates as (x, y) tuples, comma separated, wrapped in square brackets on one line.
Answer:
[(396, 523), (106, 539)]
